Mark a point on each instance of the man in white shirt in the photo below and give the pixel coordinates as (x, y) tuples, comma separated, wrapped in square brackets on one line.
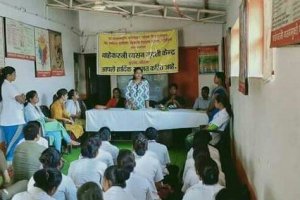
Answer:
[(51, 158), (208, 187), (89, 168), (160, 150), (105, 135), (202, 103)]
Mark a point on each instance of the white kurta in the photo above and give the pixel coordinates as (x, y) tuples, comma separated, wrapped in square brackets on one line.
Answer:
[(87, 170), (72, 107), (33, 113), (113, 150), (149, 167), (221, 119), (104, 157), (117, 193), (33, 194), (201, 191), (139, 187), (214, 153), (162, 154), (65, 191), (12, 111)]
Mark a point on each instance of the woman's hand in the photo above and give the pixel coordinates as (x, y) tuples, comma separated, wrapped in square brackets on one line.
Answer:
[(100, 107), (21, 98)]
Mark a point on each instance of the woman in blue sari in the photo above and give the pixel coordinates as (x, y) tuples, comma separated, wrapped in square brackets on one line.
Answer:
[(12, 114)]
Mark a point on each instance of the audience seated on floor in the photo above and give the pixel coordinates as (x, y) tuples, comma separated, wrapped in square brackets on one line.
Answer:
[(41, 141), (208, 187), (102, 155), (147, 164), (114, 183), (202, 103), (89, 191), (160, 150), (46, 183), (26, 157), (51, 158), (105, 135), (138, 186), (87, 169)]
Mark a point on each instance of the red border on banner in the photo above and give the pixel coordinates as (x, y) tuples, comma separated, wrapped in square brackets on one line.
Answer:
[(20, 56), (286, 35), (43, 74), (57, 72)]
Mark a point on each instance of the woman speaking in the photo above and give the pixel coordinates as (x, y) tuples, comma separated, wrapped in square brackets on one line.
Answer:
[(137, 91)]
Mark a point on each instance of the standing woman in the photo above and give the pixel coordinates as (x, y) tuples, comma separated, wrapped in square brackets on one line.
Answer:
[(12, 114), (137, 91), (219, 80), (59, 112)]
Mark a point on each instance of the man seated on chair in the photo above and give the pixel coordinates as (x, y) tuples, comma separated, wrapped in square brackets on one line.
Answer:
[(202, 103), (173, 100)]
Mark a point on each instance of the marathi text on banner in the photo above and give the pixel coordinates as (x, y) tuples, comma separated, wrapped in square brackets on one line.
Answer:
[(154, 52), (285, 23)]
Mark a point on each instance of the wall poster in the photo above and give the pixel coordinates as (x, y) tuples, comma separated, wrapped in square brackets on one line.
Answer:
[(19, 40), (208, 59), (42, 53), (285, 23), (2, 44), (56, 54), (243, 74)]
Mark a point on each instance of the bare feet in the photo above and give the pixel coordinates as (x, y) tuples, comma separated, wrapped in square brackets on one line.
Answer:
[(74, 143)]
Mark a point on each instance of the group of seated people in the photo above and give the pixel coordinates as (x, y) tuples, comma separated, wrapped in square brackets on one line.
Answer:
[(103, 171)]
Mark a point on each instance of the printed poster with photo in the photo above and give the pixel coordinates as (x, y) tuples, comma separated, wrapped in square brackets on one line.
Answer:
[(56, 54), (243, 74), (42, 53), (2, 47), (19, 40), (208, 59)]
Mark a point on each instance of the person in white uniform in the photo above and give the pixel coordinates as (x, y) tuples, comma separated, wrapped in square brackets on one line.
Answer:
[(160, 150), (51, 158), (102, 155), (12, 114), (147, 164), (105, 135), (221, 118), (138, 186), (114, 184), (73, 105), (89, 168), (208, 187), (46, 183), (89, 191)]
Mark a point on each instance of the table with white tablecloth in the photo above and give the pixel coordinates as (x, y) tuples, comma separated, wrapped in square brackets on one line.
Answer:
[(119, 119)]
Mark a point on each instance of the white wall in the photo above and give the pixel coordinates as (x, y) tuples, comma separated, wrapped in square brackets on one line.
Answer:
[(266, 124), (61, 21), (190, 33)]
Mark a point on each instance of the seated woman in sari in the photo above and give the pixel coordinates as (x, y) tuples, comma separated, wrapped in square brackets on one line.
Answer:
[(117, 101), (50, 127), (59, 112)]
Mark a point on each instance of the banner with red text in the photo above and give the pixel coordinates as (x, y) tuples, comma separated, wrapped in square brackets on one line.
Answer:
[(154, 52), (285, 23)]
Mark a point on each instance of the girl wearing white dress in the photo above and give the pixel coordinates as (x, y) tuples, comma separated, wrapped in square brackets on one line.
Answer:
[(114, 184)]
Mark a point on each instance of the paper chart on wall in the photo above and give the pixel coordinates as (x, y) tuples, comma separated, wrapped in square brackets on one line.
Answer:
[(42, 53), (19, 40), (2, 49)]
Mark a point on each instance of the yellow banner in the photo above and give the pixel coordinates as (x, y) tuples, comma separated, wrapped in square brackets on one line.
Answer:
[(154, 52)]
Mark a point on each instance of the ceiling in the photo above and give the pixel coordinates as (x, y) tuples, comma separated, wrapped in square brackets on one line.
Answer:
[(205, 11)]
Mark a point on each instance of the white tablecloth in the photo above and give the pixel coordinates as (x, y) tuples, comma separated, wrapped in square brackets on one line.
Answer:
[(119, 119)]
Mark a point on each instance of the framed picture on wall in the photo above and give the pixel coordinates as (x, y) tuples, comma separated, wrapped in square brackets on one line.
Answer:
[(42, 53), (243, 74), (208, 59), (56, 54), (2, 47)]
